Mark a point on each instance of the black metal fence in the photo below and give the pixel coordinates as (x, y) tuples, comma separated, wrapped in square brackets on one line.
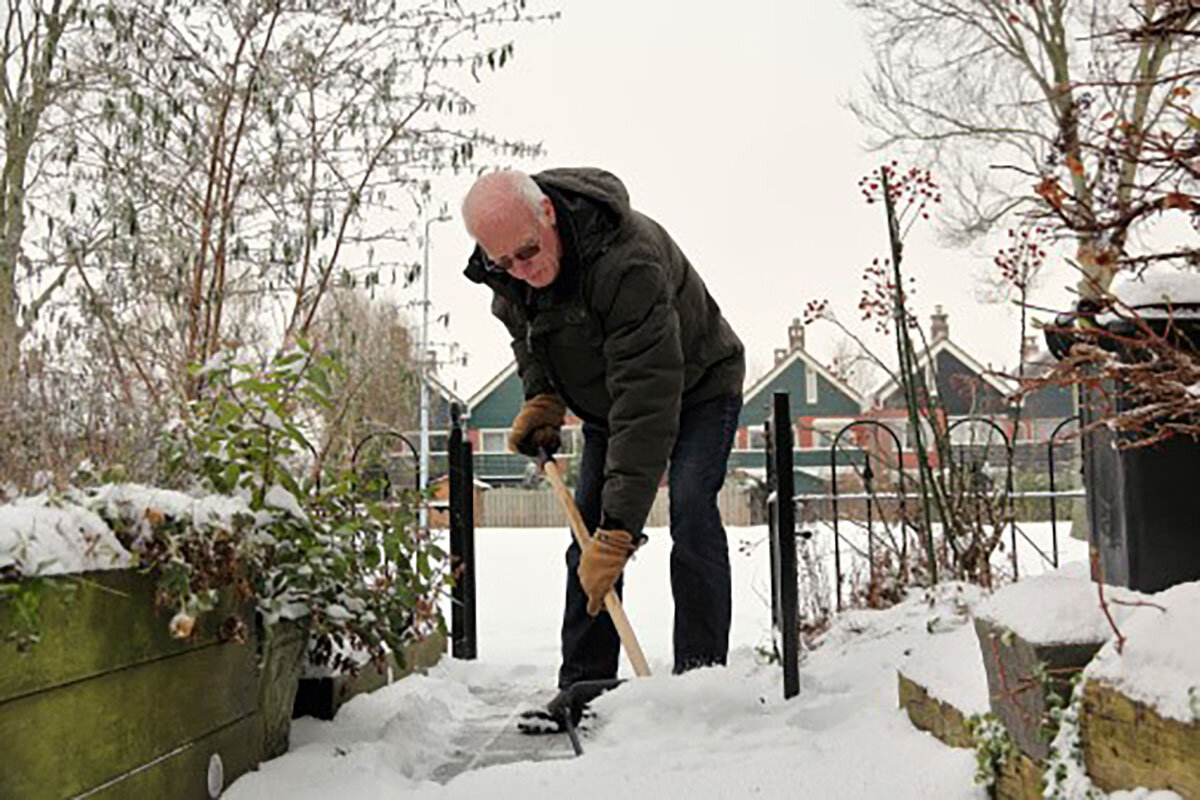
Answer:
[(464, 641), (889, 506), (781, 521), (381, 472)]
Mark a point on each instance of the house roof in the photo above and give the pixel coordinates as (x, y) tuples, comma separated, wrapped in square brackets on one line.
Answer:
[(445, 391), (491, 385), (889, 386), (799, 354)]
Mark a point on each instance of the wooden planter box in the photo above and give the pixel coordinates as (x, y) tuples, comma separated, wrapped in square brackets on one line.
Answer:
[(283, 648), (107, 703)]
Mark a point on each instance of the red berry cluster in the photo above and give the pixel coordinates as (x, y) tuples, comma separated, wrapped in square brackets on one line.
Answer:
[(910, 192), (815, 310), (878, 300), (1023, 257)]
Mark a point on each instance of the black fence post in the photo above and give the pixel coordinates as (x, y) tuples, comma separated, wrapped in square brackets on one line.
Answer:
[(463, 636), (784, 576), (772, 524)]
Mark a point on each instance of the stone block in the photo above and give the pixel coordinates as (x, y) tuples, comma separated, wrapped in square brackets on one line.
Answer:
[(1021, 675), (1020, 779), (928, 713), (1127, 744)]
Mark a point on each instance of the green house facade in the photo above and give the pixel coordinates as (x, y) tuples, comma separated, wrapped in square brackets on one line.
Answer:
[(492, 409), (821, 405)]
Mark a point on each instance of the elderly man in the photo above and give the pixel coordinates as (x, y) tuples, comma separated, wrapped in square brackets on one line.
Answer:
[(609, 319)]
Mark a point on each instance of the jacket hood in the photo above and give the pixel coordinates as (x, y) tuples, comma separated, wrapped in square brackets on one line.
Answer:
[(601, 187), (597, 185)]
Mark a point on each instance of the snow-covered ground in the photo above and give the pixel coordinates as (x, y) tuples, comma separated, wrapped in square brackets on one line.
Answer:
[(711, 733)]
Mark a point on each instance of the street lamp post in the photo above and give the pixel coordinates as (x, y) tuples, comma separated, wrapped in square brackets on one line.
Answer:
[(423, 372)]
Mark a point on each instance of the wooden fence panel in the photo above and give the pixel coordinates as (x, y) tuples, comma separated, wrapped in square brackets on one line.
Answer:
[(534, 508)]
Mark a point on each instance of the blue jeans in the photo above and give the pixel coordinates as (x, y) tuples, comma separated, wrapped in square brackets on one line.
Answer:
[(700, 580)]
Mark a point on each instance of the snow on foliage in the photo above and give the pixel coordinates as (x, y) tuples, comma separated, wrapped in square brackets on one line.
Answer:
[(281, 498), (51, 534), (38, 537), (132, 502)]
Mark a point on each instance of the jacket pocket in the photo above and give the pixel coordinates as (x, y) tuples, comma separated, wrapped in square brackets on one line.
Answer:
[(571, 344)]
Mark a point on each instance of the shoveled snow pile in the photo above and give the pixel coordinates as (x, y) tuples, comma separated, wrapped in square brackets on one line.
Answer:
[(723, 732), (1159, 662), (1060, 607), (712, 733), (41, 537)]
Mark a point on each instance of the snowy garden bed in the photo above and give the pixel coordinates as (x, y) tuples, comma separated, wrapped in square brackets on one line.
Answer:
[(159, 680), (95, 666), (1140, 718), (1130, 725)]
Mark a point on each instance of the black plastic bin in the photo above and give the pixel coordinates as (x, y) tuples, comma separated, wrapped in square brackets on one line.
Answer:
[(1143, 503)]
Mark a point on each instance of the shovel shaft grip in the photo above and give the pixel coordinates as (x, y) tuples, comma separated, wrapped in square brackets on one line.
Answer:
[(611, 602)]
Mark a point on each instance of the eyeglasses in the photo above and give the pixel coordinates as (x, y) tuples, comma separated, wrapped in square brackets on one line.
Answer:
[(506, 263)]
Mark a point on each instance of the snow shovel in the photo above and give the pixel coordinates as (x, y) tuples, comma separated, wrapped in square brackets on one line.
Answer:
[(570, 701), (611, 602)]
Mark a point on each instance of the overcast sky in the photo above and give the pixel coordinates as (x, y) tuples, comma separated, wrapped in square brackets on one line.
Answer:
[(728, 125)]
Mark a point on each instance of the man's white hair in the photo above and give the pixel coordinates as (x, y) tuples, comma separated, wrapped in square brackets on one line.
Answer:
[(494, 194)]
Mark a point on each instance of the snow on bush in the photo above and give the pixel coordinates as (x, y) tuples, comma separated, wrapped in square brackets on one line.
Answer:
[(43, 536), (131, 502)]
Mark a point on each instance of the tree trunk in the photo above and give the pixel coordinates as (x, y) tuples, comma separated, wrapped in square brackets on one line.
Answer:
[(23, 114)]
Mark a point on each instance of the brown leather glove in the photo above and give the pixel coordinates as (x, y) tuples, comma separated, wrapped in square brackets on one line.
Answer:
[(603, 560), (537, 424)]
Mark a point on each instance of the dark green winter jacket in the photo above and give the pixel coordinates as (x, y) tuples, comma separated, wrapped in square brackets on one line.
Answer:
[(627, 334)]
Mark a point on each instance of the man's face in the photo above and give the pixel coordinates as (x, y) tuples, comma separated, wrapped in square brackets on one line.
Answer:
[(523, 246)]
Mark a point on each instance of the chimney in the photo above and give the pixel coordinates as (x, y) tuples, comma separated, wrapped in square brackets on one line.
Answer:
[(939, 324), (796, 334), (780, 355)]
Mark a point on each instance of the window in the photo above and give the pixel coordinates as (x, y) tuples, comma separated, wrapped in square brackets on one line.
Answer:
[(439, 441), (909, 438), (974, 432), (493, 441), (826, 430), (571, 439), (810, 385), (757, 439)]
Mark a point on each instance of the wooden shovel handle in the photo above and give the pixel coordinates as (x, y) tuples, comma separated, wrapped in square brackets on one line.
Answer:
[(611, 601)]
